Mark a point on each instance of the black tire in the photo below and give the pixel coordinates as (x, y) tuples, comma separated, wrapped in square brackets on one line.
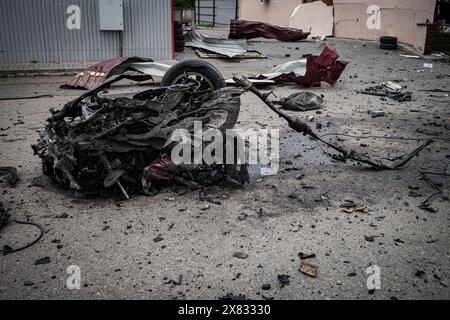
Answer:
[(388, 40), (178, 36), (179, 43), (388, 46), (179, 49), (205, 69)]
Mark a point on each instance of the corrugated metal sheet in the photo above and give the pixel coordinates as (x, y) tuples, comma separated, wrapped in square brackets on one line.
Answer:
[(148, 28), (229, 48), (35, 30)]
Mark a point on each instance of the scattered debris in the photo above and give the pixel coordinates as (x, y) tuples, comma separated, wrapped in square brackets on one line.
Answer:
[(5, 220), (240, 255), (284, 279), (362, 209), (426, 204), (301, 101), (350, 206), (63, 216), (265, 286), (8, 176), (348, 203), (410, 56), (426, 207), (42, 181), (392, 85), (232, 296), (176, 282), (44, 260), (390, 90), (377, 113), (308, 269), (311, 70), (414, 194), (241, 29), (428, 65), (304, 256), (4, 216)]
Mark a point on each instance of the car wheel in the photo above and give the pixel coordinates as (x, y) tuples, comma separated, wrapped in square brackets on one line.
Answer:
[(204, 72)]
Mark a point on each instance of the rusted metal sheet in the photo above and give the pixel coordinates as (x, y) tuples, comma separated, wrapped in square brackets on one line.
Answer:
[(96, 74), (311, 70), (241, 29)]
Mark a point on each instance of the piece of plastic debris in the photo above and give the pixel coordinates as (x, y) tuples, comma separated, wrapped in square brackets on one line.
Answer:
[(410, 56), (240, 255), (392, 85), (308, 269), (376, 113)]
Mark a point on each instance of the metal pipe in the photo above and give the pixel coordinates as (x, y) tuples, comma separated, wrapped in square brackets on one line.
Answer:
[(298, 125)]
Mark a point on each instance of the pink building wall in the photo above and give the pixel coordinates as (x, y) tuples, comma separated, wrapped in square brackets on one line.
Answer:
[(276, 12), (397, 17)]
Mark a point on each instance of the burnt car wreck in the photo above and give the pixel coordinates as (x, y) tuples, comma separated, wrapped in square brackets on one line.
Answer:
[(97, 145)]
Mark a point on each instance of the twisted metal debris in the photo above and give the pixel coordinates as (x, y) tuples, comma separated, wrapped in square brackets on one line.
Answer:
[(97, 144)]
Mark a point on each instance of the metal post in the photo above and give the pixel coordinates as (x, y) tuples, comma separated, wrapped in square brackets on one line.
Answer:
[(214, 13), (121, 43), (237, 10), (198, 18)]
